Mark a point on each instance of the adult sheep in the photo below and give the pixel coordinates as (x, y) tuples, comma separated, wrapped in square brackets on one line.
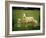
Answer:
[(29, 20), (26, 20)]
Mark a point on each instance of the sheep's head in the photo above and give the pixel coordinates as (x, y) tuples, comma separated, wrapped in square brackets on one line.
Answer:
[(24, 15)]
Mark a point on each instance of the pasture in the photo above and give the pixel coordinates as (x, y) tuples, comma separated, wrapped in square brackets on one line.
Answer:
[(18, 13)]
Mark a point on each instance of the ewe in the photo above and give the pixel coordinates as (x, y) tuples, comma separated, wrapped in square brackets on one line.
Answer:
[(28, 19)]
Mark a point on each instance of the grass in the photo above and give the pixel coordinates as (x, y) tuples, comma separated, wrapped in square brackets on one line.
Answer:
[(17, 13)]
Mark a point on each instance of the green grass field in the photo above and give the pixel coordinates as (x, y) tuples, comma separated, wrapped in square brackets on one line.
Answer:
[(17, 13)]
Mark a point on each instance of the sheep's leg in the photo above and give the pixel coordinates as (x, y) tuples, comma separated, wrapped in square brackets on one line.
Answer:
[(26, 25)]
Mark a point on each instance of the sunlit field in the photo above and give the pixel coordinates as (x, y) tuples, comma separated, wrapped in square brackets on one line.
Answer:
[(18, 13)]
